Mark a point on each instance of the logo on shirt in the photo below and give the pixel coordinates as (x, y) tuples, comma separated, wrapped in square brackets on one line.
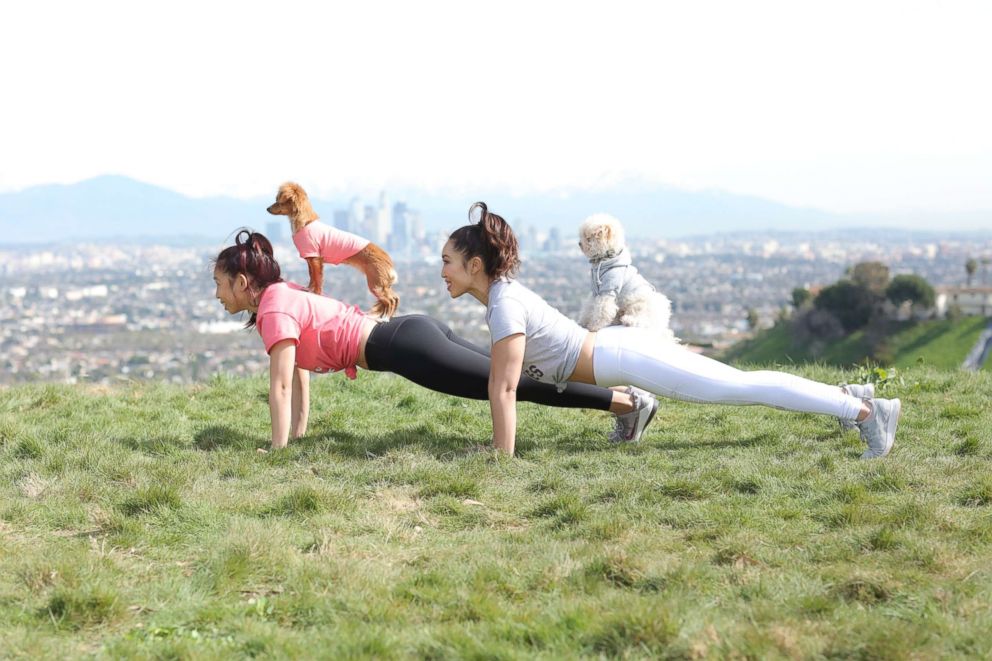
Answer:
[(533, 372)]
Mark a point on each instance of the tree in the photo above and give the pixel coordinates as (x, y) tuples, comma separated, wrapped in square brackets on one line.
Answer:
[(851, 303), (970, 267), (800, 296), (752, 318), (911, 288), (873, 276)]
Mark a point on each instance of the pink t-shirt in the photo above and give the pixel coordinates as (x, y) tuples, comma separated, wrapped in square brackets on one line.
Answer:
[(333, 245), (327, 332)]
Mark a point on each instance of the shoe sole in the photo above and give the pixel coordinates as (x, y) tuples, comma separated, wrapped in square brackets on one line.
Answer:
[(890, 431)]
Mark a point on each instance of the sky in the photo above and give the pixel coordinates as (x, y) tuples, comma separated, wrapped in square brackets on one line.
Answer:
[(853, 107)]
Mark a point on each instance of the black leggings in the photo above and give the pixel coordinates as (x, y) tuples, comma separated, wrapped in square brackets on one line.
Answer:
[(425, 351)]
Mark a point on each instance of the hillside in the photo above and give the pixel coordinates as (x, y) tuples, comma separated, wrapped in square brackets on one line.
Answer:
[(940, 343), (119, 207), (114, 207), (140, 522)]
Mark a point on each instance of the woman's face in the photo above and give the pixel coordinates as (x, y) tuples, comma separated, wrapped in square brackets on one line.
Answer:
[(227, 291), (454, 270)]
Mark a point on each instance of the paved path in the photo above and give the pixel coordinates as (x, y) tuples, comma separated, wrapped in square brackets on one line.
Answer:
[(980, 352)]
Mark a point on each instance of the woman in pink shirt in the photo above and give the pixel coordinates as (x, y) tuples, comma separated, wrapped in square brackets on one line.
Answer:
[(303, 332)]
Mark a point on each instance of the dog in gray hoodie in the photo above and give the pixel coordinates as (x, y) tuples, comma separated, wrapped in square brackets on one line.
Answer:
[(620, 295)]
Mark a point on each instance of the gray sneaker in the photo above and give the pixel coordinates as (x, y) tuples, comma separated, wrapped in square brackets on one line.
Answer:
[(878, 430), (629, 426), (866, 391)]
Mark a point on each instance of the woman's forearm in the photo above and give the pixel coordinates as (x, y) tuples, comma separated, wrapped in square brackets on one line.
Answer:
[(301, 403), (280, 410), (282, 361), (504, 374), (503, 405)]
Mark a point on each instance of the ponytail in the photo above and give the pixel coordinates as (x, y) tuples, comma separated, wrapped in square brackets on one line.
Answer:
[(251, 256), (491, 239)]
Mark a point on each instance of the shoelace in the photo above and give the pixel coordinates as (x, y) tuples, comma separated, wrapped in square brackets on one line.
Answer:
[(618, 433)]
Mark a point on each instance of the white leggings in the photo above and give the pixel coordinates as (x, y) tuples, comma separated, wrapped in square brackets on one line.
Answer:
[(636, 356)]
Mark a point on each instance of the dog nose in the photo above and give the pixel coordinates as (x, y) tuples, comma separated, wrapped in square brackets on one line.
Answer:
[(270, 207)]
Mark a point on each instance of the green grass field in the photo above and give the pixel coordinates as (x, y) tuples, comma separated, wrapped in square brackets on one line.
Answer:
[(140, 522), (940, 343)]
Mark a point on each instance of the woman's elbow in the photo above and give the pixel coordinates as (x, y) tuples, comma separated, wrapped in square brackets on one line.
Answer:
[(279, 390), (503, 390)]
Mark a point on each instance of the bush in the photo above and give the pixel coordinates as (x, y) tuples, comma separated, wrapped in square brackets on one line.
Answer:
[(852, 304)]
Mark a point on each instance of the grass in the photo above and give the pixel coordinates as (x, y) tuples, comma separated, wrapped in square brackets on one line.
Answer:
[(939, 343), (943, 343), (140, 522)]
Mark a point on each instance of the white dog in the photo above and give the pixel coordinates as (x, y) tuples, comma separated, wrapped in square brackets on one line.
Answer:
[(619, 293)]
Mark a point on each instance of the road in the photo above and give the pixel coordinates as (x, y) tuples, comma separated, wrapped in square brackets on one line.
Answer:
[(980, 352)]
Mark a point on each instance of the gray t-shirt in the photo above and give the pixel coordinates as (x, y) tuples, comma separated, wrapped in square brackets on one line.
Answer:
[(553, 340)]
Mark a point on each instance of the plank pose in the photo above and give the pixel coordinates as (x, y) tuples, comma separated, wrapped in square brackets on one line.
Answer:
[(530, 337), (304, 332)]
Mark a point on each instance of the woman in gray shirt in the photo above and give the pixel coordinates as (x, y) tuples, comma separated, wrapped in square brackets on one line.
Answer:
[(530, 337)]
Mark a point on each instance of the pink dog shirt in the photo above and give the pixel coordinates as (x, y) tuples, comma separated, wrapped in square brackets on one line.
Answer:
[(327, 332), (333, 245)]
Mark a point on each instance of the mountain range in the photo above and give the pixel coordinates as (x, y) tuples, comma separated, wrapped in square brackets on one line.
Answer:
[(117, 207)]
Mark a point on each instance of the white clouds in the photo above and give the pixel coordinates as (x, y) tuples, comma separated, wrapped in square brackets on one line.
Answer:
[(849, 106)]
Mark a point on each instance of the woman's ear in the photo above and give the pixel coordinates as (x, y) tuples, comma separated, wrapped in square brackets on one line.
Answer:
[(241, 282), (475, 265)]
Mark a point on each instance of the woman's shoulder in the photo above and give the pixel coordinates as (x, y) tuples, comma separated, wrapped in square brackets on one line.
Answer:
[(509, 297), (514, 290), (284, 286), (276, 295)]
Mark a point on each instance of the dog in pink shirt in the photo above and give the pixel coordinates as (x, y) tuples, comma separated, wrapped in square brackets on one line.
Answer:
[(318, 243)]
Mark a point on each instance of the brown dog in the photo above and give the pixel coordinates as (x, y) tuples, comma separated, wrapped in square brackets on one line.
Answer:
[(319, 243)]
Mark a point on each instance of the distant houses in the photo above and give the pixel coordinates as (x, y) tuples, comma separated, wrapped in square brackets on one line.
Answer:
[(969, 301)]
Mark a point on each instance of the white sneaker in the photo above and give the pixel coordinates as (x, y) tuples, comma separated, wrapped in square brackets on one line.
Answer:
[(865, 391), (629, 426), (878, 430)]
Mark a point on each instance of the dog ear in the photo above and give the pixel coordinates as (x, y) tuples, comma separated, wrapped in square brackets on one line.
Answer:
[(297, 197), (290, 192), (606, 232)]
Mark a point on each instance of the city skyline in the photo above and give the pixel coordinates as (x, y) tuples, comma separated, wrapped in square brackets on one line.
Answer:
[(115, 207)]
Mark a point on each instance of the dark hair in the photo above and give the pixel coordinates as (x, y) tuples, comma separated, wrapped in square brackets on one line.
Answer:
[(492, 239), (253, 258)]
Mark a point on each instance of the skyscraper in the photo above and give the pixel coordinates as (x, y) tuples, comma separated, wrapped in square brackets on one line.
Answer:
[(384, 225), (273, 230), (356, 216), (399, 239), (370, 224), (342, 220)]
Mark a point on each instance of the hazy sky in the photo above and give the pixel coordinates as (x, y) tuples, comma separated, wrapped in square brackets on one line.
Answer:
[(845, 106)]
